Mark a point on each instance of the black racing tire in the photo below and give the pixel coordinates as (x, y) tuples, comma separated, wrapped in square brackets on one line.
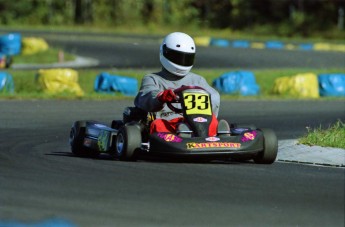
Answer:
[(128, 141), (76, 139), (117, 124), (269, 154)]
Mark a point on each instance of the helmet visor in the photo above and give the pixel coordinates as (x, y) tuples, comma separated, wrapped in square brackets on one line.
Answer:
[(178, 57)]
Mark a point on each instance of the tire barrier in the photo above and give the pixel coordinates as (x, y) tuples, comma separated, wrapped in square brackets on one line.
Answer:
[(10, 44), (33, 45), (220, 42), (13, 44), (301, 85), (55, 81), (305, 85), (6, 83), (237, 82), (272, 44), (332, 84), (202, 41), (107, 83)]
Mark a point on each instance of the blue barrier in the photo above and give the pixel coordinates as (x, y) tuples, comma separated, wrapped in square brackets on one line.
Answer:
[(242, 82), (6, 83), (220, 42), (10, 44), (274, 45), (332, 84), (107, 83), (269, 44), (54, 222), (241, 44), (306, 46)]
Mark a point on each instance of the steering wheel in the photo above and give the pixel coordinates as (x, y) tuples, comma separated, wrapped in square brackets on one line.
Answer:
[(178, 92)]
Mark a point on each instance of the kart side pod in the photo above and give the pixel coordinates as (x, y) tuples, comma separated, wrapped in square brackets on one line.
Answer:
[(90, 138)]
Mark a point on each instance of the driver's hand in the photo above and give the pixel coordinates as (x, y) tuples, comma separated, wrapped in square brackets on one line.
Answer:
[(167, 96)]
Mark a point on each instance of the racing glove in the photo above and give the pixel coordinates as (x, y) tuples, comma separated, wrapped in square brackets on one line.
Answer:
[(166, 96)]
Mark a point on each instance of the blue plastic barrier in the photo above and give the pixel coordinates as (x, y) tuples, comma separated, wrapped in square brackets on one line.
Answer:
[(220, 42), (306, 46), (332, 84), (242, 82), (274, 45), (54, 222), (10, 44), (241, 44), (6, 83), (113, 83)]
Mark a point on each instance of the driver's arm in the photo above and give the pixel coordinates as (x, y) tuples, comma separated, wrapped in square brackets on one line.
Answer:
[(147, 99)]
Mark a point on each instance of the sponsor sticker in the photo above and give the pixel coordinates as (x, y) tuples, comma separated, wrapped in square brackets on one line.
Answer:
[(200, 119), (103, 140), (170, 137), (212, 145), (212, 139), (249, 136)]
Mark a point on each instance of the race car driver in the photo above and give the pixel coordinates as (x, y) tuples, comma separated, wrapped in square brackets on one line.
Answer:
[(177, 53)]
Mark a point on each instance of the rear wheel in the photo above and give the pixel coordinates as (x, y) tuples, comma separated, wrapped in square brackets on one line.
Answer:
[(116, 124), (76, 139), (128, 141), (269, 154)]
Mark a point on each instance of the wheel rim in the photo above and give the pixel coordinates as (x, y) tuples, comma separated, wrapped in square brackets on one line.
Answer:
[(120, 144)]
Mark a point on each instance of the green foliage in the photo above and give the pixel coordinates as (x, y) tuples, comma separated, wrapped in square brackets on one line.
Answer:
[(330, 137), (35, 12), (49, 56), (302, 18), (179, 12)]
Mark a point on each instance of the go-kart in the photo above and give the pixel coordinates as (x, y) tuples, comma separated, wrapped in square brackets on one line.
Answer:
[(129, 139)]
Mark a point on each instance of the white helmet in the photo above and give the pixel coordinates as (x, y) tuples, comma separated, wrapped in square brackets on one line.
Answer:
[(177, 53)]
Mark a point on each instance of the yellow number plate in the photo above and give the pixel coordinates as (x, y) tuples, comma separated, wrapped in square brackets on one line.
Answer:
[(197, 103)]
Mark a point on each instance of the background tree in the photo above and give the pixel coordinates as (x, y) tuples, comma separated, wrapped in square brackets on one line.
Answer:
[(273, 17)]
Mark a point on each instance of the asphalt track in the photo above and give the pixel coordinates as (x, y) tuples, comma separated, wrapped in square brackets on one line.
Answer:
[(144, 53), (134, 51), (40, 179)]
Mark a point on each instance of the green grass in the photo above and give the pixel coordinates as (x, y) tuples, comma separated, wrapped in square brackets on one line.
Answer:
[(45, 57), (334, 136)]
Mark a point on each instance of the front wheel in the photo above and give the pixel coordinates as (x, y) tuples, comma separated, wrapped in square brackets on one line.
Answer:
[(269, 154), (128, 141), (76, 137)]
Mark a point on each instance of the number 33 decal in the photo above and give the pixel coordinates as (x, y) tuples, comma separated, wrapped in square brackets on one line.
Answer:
[(197, 104)]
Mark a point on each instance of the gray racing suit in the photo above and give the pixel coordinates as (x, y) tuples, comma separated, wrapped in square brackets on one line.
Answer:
[(154, 83)]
